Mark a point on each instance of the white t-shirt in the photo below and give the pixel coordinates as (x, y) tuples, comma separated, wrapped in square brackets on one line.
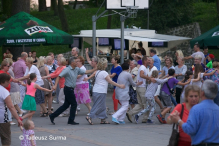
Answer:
[(199, 53), (149, 71), (199, 83), (100, 85), (34, 69), (139, 79), (3, 95), (80, 80)]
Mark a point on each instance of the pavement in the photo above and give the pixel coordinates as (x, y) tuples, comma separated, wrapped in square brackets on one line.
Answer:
[(61, 134)]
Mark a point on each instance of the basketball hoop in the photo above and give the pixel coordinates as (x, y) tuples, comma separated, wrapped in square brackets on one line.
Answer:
[(132, 11)]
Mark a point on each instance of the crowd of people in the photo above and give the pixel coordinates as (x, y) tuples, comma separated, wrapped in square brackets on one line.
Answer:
[(139, 84)]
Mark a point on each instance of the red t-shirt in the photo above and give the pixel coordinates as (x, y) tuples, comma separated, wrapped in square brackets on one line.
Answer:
[(9, 85), (182, 135)]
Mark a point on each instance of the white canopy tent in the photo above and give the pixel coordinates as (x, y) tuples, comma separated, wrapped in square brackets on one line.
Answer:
[(134, 36)]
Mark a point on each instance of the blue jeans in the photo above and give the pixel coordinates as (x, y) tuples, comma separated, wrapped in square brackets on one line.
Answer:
[(69, 100), (173, 100), (216, 99)]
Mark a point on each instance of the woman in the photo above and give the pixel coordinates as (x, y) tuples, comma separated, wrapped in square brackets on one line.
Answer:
[(82, 87), (132, 90), (15, 89), (215, 78), (5, 105), (192, 94), (180, 71), (39, 95), (102, 79), (62, 65), (133, 51), (51, 66), (178, 54), (44, 71), (33, 55), (168, 65), (115, 71)]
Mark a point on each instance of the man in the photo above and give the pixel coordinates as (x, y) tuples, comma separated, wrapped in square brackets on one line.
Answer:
[(153, 54), (140, 46), (53, 58), (19, 69), (197, 52), (70, 74), (203, 122), (75, 51), (142, 74), (205, 51)]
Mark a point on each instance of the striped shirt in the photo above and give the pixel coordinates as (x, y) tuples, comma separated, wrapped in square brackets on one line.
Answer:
[(152, 88)]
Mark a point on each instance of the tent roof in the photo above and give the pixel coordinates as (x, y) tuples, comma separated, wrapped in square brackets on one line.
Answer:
[(132, 34)]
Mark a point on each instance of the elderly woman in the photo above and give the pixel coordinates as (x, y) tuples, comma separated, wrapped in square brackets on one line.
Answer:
[(178, 54), (102, 79), (180, 71), (198, 60), (39, 95), (82, 87), (51, 66), (5, 105), (132, 90), (15, 89), (192, 94), (61, 63), (44, 71)]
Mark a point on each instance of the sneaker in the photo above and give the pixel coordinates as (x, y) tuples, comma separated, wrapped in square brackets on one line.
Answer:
[(150, 122), (136, 119), (121, 122), (61, 115), (23, 111), (88, 114), (129, 117), (115, 121), (12, 123), (159, 119), (164, 121), (54, 101), (20, 115)]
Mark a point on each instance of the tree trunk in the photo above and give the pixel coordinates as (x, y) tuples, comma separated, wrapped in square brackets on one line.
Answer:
[(75, 4), (217, 5), (42, 5), (62, 16), (109, 20), (18, 6), (54, 7), (6, 7)]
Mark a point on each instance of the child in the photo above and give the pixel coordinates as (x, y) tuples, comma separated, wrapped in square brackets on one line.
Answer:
[(29, 102), (28, 134), (166, 93), (122, 95), (149, 95)]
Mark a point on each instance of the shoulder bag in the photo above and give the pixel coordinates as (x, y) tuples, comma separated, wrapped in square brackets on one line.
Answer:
[(175, 132), (170, 90)]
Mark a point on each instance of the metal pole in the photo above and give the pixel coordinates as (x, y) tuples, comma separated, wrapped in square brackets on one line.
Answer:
[(148, 18), (94, 34), (122, 19)]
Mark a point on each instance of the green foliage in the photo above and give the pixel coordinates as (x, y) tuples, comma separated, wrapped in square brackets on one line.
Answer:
[(206, 15)]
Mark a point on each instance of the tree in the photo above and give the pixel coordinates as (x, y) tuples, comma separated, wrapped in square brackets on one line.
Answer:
[(217, 5), (54, 7), (75, 4), (6, 7), (42, 5), (62, 16)]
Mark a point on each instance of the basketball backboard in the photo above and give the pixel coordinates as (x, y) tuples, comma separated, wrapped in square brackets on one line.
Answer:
[(122, 4)]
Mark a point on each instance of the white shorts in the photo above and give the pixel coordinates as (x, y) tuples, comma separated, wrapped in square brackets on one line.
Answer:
[(158, 91)]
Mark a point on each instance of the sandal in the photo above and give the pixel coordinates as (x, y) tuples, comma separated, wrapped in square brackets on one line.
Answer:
[(104, 122), (89, 120), (44, 115), (50, 112)]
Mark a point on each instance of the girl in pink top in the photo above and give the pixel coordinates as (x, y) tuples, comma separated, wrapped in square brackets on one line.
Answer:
[(29, 102)]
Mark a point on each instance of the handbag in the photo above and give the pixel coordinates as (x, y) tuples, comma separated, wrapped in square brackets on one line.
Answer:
[(175, 132), (170, 90)]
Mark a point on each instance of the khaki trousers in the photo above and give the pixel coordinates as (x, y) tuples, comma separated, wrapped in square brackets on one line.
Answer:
[(141, 103)]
